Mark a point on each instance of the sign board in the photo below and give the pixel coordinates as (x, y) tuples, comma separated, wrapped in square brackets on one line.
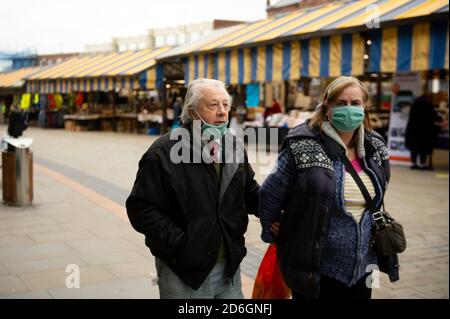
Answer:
[(406, 88)]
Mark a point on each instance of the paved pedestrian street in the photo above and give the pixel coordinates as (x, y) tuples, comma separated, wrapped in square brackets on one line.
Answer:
[(78, 223)]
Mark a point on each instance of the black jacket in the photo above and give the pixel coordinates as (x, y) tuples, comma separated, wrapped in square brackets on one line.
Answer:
[(184, 210), (421, 131), (17, 124)]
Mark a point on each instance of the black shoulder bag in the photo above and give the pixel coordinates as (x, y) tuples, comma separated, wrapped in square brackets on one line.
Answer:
[(388, 235)]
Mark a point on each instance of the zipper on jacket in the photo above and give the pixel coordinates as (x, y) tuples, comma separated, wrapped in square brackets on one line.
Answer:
[(374, 177), (358, 263), (356, 270), (358, 238)]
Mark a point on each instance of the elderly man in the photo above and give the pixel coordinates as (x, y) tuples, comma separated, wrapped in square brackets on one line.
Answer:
[(194, 213)]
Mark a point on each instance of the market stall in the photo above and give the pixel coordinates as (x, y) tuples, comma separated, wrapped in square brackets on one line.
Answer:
[(101, 91), (12, 91), (291, 58)]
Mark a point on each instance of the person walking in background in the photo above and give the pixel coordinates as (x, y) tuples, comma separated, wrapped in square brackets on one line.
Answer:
[(311, 207), (422, 132), (194, 215), (17, 122), (274, 109), (177, 106)]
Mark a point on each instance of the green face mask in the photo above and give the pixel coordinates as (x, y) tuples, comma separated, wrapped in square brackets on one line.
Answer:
[(210, 130), (347, 118)]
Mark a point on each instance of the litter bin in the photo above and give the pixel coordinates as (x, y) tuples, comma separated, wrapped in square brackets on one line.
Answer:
[(17, 172)]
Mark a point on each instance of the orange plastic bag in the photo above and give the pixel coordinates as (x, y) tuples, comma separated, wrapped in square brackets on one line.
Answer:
[(269, 283)]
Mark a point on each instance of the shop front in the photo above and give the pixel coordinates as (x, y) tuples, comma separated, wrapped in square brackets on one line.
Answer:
[(285, 63), (12, 89), (407, 61), (106, 92)]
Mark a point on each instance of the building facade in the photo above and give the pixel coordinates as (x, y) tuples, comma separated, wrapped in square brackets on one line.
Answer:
[(288, 6), (160, 37)]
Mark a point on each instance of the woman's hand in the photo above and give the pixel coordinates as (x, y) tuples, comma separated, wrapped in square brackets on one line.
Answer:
[(274, 228)]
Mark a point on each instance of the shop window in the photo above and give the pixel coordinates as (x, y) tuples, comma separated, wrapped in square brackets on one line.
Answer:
[(181, 38), (171, 39), (195, 35), (159, 41)]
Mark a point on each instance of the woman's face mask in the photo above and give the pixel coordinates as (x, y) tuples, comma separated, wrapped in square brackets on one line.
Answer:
[(347, 118)]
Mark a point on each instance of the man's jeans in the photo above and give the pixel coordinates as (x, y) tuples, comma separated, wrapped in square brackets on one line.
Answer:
[(215, 286)]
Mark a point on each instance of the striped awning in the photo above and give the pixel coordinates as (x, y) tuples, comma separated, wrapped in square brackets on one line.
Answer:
[(315, 57), (334, 16), (418, 47), (99, 72), (13, 79), (319, 41)]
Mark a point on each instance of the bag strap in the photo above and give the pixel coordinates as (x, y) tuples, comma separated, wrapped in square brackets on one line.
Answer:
[(349, 167), (337, 150)]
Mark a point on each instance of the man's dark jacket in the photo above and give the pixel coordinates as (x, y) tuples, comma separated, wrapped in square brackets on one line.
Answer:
[(184, 210)]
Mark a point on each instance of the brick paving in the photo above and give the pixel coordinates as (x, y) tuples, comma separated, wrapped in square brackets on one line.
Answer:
[(78, 217)]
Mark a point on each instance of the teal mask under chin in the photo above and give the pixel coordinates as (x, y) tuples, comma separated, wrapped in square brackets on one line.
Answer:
[(214, 131), (210, 131), (347, 118)]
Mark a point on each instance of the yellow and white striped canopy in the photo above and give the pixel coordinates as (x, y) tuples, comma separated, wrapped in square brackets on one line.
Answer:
[(99, 72), (337, 15), (324, 41), (14, 79)]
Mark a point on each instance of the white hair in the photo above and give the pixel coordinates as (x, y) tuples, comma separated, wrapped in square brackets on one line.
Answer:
[(194, 94)]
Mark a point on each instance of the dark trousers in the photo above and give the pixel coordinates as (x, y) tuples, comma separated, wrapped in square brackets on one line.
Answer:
[(332, 289), (422, 159)]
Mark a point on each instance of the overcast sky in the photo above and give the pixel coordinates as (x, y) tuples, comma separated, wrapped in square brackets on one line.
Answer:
[(52, 26)]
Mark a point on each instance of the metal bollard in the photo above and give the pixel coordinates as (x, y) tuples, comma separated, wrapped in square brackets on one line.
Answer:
[(17, 172), (23, 180)]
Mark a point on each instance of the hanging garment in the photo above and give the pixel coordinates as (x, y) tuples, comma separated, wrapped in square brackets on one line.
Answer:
[(43, 101), (79, 99), (25, 101), (58, 101), (51, 102)]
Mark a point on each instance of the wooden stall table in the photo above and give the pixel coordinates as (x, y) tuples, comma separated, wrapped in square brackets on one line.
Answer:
[(127, 122), (82, 122), (155, 118)]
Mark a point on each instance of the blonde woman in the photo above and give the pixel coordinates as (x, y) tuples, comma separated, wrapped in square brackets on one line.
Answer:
[(313, 209)]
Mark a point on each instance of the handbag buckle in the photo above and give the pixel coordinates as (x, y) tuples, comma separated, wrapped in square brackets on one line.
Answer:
[(378, 215), (379, 220)]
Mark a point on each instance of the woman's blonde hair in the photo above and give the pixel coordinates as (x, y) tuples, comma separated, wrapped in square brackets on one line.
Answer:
[(334, 89)]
